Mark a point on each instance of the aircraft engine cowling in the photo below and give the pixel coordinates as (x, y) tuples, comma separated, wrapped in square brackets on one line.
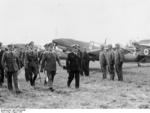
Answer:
[(146, 52)]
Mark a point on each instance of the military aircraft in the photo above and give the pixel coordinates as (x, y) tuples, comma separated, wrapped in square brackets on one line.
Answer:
[(66, 45), (93, 48), (139, 53)]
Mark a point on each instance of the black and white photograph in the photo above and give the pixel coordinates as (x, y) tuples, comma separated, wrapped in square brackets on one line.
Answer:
[(74, 54)]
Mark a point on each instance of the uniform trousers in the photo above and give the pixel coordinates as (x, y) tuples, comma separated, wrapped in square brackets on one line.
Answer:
[(104, 70), (72, 75), (33, 71), (50, 75), (27, 74), (1, 76), (85, 67), (118, 68), (111, 71), (13, 75)]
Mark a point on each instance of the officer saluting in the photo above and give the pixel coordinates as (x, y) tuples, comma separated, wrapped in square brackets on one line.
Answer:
[(73, 65), (10, 63)]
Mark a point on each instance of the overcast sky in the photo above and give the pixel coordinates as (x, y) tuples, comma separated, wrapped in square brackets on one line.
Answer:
[(88, 20)]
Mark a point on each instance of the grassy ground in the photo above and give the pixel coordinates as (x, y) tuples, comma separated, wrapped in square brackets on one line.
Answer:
[(133, 92)]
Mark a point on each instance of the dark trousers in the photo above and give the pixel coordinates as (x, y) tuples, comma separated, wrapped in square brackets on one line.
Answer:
[(1, 76), (118, 68), (32, 75), (104, 70), (85, 67), (50, 75), (111, 71), (73, 74), (15, 80), (27, 76)]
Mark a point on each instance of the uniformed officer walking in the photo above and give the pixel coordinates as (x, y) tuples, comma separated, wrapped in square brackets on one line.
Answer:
[(43, 68), (85, 62), (10, 63), (49, 61), (27, 50), (110, 61), (73, 65), (32, 64), (103, 62), (1, 67), (119, 57)]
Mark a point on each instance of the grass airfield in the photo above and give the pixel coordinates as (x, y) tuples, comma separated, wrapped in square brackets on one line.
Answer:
[(94, 92)]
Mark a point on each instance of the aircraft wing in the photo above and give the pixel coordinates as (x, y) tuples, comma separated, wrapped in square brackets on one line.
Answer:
[(94, 54), (145, 45), (126, 51)]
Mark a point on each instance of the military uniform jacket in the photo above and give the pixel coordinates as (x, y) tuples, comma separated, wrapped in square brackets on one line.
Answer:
[(110, 57), (10, 61), (102, 58), (73, 62), (49, 61), (119, 57), (32, 59)]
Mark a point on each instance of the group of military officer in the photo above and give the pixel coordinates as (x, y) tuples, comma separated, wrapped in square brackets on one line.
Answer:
[(111, 60), (35, 62), (44, 61)]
